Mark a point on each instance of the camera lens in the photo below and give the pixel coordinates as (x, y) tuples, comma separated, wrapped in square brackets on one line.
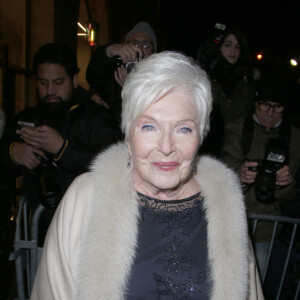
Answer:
[(265, 187), (130, 66)]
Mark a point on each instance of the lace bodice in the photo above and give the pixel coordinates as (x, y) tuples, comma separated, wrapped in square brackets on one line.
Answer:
[(171, 260)]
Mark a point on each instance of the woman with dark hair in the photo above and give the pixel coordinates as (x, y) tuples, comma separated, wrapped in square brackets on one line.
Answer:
[(226, 60)]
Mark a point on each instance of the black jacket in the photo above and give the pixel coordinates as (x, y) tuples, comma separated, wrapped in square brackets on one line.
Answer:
[(88, 127), (100, 76)]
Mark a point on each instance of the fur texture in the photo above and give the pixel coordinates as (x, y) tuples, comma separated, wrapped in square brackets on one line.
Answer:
[(112, 229)]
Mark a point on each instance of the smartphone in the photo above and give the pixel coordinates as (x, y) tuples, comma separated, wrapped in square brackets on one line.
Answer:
[(26, 124)]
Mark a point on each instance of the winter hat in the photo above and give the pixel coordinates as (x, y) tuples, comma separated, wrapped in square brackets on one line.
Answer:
[(273, 88), (143, 27)]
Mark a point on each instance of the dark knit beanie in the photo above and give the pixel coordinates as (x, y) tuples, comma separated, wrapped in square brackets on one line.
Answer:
[(274, 88), (143, 27)]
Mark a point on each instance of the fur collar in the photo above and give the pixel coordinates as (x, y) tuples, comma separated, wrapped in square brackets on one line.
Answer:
[(112, 229)]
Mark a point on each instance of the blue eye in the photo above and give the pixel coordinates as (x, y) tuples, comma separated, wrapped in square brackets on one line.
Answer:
[(185, 130), (148, 127)]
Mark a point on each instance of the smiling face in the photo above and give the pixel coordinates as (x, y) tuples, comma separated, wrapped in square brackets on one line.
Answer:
[(231, 49), (163, 144), (54, 84)]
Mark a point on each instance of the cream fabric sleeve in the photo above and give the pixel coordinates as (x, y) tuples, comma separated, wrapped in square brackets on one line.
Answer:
[(55, 277), (255, 289)]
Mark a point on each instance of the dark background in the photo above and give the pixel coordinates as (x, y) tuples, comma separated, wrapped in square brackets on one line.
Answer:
[(272, 27)]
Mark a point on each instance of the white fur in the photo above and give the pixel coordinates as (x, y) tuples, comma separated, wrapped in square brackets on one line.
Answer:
[(110, 236)]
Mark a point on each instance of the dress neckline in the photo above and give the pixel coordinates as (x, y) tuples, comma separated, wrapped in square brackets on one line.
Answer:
[(193, 197)]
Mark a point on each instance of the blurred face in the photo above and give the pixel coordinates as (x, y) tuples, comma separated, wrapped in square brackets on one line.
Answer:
[(143, 41), (163, 145), (54, 85), (267, 118), (231, 49)]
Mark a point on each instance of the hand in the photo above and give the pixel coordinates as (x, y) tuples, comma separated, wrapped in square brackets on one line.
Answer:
[(126, 51), (246, 175), (23, 154), (96, 98), (120, 75), (284, 176), (42, 137)]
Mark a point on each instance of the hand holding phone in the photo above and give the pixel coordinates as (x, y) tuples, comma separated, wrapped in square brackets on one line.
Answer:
[(26, 124)]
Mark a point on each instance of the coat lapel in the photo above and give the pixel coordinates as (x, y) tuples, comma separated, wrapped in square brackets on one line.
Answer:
[(112, 229), (227, 230), (108, 245)]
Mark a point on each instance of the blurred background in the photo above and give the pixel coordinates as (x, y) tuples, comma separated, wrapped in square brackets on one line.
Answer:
[(272, 28)]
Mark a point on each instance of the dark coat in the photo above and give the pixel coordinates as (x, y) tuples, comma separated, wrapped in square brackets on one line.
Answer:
[(100, 76), (234, 155), (89, 129)]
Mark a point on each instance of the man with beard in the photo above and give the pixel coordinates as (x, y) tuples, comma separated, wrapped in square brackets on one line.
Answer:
[(52, 143)]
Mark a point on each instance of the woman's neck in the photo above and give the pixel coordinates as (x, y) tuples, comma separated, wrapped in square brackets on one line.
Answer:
[(185, 190)]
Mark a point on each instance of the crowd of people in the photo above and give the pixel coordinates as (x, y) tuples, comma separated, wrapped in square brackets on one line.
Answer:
[(127, 170)]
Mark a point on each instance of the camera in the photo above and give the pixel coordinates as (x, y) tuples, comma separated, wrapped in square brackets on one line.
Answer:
[(131, 64), (128, 65), (276, 156)]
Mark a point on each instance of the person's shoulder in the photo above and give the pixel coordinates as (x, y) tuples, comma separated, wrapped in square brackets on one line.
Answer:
[(295, 128), (236, 125), (81, 183), (91, 105), (295, 133), (93, 110), (214, 167), (216, 178), (78, 193), (114, 157)]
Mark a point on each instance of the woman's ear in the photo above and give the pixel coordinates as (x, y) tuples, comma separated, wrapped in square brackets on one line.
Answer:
[(128, 147), (75, 80)]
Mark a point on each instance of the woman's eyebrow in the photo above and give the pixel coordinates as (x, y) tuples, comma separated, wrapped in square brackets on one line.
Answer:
[(147, 117)]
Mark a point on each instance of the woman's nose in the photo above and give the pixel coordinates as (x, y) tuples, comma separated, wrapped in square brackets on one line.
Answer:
[(166, 143)]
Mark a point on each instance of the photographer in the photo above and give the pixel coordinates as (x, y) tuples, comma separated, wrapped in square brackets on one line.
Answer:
[(53, 142), (106, 72), (263, 148)]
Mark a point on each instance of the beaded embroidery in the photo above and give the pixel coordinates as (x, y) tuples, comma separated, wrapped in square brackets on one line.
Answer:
[(175, 216)]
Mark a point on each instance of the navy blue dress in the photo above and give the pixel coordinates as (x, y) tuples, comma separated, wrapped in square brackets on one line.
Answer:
[(171, 260)]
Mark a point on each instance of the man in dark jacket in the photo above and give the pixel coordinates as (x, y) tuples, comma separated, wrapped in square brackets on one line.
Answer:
[(52, 143), (264, 150), (107, 69)]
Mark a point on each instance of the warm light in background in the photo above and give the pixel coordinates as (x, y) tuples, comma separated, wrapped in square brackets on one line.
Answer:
[(79, 24), (259, 56), (89, 32), (293, 62)]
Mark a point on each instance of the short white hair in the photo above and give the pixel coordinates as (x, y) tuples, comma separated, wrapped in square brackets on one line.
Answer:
[(156, 76)]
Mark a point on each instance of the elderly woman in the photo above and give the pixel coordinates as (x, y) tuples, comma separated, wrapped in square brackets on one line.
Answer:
[(152, 220)]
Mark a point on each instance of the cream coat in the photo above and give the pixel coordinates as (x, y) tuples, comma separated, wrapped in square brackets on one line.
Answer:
[(91, 243)]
